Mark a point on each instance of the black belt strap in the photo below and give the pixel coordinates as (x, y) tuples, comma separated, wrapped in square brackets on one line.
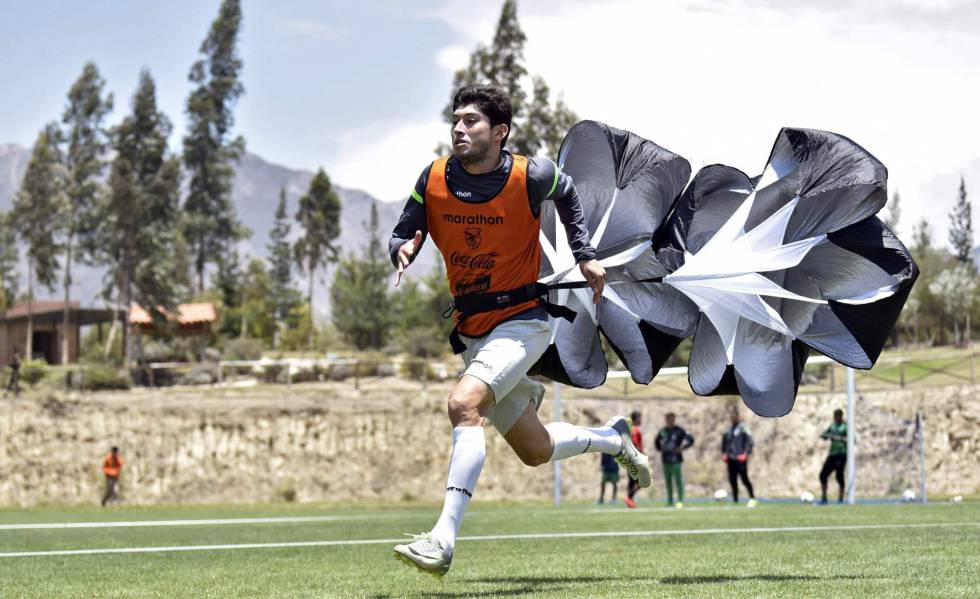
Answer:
[(477, 303)]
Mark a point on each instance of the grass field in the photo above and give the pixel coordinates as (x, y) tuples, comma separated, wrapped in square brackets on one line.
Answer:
[(705, 550)]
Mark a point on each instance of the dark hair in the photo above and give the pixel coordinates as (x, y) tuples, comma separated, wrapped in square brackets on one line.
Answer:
[(670, 415), (490, 101), (838, 411), (115, 449), (634, 415)]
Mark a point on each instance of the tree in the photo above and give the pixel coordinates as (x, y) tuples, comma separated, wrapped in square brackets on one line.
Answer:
[(536, 125), (894, 211), (86, 139), (38, 216), (139, 238), (283, 297), (360, 303), (8, 261), (318, 216), (961, 227), (957, 289), (211, 225), (258, 316)]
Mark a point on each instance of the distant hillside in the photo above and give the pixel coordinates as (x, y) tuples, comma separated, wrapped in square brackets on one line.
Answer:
[(256, 193)]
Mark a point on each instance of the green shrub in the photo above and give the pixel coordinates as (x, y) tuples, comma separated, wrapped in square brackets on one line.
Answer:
[(33, 371), (242, 349), (101, 377)]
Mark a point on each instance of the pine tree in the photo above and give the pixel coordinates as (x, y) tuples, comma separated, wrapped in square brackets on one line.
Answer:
[(283, 297), (961, 227), (318, 216), (86, 139), (8, 262), (139, 238), (536, 124), (361, 306), (38, 216), (894, 211), (258, 315), (211, 225)]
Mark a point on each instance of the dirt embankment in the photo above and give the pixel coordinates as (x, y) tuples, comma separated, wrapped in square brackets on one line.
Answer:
[(390, 440)]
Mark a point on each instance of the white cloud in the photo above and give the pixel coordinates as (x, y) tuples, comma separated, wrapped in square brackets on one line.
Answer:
[(314, 30), (453, 58), (385, 159)]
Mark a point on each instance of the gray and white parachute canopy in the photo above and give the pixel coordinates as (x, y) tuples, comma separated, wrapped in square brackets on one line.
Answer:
[(759, 270)]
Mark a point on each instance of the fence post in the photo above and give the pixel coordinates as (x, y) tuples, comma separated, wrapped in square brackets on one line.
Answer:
[(357, 366), (557, 463), (920, 422), (901, 373), (832, 375), (221, 373)]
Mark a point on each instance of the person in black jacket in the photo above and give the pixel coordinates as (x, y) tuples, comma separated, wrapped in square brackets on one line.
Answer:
[(736, 447), (670, 442)]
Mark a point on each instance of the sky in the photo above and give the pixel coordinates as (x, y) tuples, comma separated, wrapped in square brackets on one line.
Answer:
[(357, 88)]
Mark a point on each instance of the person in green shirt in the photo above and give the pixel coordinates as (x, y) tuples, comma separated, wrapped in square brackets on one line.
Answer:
[(836, 433), (670, 442)]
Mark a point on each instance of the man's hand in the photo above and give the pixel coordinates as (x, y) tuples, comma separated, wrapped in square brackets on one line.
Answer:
[(742, 457), (405, 253), (595, 275), (724, 458)]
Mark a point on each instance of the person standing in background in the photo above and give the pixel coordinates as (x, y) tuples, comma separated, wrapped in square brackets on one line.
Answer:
[(14, 383), (610, 474), (636, 421), (736, 447), (836, 460), (670, 442), (111, 467)]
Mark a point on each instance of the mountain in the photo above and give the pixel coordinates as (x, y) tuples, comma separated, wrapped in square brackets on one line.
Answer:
[(255, 193)]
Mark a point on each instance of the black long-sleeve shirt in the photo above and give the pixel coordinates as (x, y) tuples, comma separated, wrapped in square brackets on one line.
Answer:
[(545, 181), (671, 441), (736, 441)]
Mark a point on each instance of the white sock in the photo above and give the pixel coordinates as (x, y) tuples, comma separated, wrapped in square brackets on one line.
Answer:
[(571, 440), (469, 451)]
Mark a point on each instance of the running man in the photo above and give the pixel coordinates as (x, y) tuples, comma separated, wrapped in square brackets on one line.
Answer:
[(481, 207), (836, 433), (670, 442), (736, 447)]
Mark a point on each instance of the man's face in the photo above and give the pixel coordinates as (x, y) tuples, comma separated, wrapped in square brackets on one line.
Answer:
[(838, 417), (472, 136), (734, 417), (669, 420)]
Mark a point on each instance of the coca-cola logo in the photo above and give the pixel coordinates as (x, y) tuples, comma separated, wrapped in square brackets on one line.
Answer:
[(477, 262)]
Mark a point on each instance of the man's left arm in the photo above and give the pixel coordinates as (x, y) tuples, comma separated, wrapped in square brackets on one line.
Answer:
[(545, 181)]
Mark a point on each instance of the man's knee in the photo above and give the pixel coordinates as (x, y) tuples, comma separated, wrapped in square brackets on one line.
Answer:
[(465, 402)]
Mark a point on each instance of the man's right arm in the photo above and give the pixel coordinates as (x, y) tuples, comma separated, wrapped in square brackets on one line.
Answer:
[(411, 220)]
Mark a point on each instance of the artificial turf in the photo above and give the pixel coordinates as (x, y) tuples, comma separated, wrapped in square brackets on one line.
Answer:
[(915, 551)]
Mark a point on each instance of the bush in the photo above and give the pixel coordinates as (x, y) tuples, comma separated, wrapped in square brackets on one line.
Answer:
[(242, 349), (102, 377), (33, 371)]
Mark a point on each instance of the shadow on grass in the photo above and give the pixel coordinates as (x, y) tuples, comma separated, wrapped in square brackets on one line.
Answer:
[(524, 585), (751, 577)]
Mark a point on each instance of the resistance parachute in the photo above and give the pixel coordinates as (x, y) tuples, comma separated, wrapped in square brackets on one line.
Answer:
[(759, 270)]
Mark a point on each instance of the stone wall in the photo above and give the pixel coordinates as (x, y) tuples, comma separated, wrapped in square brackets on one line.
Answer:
[(389, 440)]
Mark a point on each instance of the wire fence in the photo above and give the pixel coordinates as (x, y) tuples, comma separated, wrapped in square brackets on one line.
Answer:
[(821, 375)]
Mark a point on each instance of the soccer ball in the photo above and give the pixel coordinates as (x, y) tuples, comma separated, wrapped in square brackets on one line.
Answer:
[(908, 495), (806, 497), (957, 499), (721, 495)]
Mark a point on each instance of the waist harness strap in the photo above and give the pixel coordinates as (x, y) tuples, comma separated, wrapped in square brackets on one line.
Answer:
[(477, 303)]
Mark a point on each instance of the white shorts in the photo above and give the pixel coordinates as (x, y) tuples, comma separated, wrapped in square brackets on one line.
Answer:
[(501, 359)]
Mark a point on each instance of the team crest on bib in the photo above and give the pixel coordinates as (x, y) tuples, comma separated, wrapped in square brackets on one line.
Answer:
[(472, 237)]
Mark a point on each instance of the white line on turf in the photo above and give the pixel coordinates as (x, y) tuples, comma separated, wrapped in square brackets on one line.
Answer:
[(527, 536), (302, 519)]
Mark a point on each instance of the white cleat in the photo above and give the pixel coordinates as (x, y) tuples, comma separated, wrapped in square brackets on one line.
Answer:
[(636, 464), (425, 553)]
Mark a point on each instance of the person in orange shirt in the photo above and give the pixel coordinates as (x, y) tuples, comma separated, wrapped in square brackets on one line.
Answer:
[(111, 467), (636, 420)]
